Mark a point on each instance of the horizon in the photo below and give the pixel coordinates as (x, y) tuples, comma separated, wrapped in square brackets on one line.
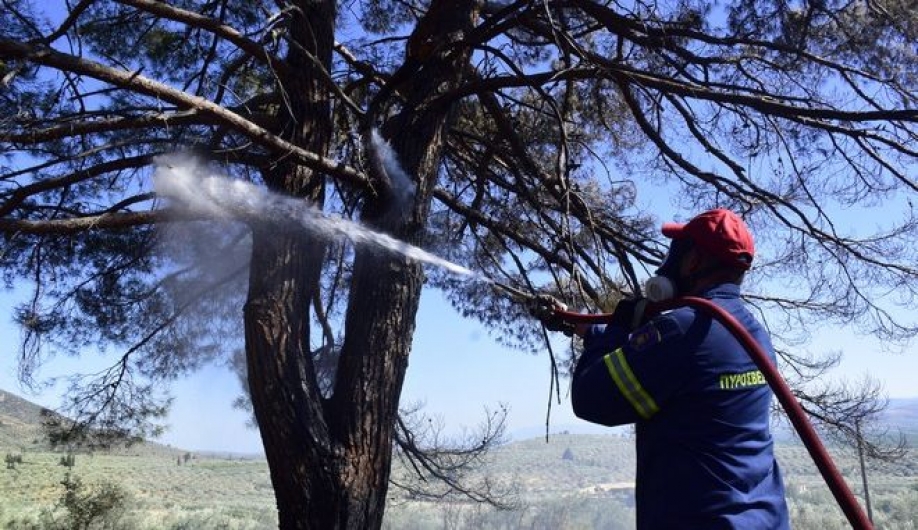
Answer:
[(456, 368), (783, 436)]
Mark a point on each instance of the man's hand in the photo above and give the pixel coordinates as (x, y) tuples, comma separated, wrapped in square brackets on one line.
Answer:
[(555, 322), (547, 309), (629, 313)]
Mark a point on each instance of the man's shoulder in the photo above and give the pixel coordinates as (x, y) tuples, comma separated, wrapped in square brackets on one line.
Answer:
[(665, 327), (679, 317), (682, 325)]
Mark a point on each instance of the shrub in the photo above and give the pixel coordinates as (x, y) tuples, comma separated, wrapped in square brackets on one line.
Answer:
[(68, 460), (12, 460), (103, 504)]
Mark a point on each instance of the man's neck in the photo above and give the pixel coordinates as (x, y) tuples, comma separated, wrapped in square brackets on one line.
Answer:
[(704, 285)]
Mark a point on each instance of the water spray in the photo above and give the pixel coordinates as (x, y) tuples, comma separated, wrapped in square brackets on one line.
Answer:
[(196, 188)]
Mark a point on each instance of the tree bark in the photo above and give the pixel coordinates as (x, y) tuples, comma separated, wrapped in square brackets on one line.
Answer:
[(385, 289), (282, 382), (330, 458), (305, 464)]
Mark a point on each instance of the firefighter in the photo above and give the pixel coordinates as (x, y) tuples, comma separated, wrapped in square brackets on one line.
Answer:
[(705, 457)]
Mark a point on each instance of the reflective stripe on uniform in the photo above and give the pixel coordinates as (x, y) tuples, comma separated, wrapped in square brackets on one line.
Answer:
[(628, 385)]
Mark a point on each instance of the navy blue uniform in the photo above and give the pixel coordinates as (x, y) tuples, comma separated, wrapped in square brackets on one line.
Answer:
[(701, 407)]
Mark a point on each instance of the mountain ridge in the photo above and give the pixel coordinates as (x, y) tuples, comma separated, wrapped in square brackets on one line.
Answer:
[(20, 423), (21, 428)]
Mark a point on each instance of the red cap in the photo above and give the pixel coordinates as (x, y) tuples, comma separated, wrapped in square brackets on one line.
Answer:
[(720, 233)]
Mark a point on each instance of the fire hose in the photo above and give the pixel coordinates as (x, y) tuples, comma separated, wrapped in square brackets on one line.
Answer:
[(840, 490)]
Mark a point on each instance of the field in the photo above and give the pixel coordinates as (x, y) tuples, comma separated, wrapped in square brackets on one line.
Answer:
[(573, 481), (593, 489), (161, 492)]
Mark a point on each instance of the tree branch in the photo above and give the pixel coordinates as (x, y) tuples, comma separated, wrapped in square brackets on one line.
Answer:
[(106, 221), (215, 26), (46, 56)]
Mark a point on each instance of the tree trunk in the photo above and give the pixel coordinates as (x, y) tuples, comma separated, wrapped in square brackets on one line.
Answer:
[(330, 458), (282, 382), (285, 269)]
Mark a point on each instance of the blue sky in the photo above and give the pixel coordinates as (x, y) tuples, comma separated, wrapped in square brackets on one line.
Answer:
[(456, 369)]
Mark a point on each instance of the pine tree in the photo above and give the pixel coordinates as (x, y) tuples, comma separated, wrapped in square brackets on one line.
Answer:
[(534, 136)]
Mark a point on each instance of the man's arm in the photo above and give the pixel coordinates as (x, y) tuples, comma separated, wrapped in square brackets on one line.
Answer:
[(621, 379), (592, 397)]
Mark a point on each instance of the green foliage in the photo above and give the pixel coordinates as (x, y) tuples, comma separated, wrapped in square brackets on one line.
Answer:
[(68, 460), (100, 506), (384, 16), (594, 490), (11, 460), (566, 511), (222, 520), (80, 507), (233, 492)]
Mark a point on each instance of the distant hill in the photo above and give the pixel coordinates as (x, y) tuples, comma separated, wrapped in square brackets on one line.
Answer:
[(902, 412), (20, 425), (568, 481), (901, 416), (20, 429), (20, 422)]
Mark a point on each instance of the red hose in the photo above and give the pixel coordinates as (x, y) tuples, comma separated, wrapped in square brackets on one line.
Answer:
[(795, 412)]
